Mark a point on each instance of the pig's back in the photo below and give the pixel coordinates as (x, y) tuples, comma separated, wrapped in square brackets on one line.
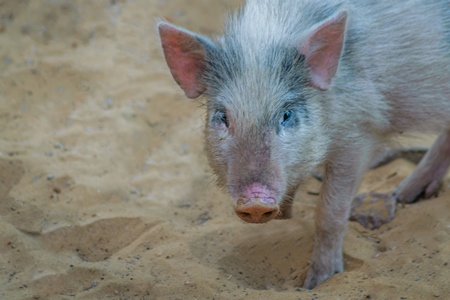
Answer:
[(405, 53), (395, 70)]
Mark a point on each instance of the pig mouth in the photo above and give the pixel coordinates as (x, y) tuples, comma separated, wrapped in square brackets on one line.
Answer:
[(256, 210)]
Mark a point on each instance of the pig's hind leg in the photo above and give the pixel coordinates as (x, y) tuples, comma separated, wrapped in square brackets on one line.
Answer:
[(426, 178), (413, 154), (373, 210)]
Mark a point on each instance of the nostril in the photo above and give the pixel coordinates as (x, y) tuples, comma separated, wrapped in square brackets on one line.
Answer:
[(268, 214), (257, 212), (246, 215)]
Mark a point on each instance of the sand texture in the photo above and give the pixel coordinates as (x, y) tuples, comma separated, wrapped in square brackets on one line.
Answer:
[(105, 192)]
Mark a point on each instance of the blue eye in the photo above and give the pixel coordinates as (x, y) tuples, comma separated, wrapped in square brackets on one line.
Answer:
[(287, 117), (221, 117)]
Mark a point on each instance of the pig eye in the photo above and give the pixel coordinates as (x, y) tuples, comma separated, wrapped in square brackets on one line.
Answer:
[(221, 118), (288, 118)]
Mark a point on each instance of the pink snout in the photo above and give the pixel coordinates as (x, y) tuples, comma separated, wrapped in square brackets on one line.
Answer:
[(257, 204), (256, 211)]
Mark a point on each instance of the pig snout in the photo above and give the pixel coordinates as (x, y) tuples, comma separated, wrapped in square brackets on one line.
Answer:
[(256, 211), (257, 204)]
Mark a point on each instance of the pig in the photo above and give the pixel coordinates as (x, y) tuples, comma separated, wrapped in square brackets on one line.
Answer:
[(293, 86)]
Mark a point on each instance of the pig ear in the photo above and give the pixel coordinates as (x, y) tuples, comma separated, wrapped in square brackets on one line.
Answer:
[(185, 55), (322, 50)]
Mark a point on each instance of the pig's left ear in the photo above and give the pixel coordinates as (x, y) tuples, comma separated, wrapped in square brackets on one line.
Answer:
[(186, 57), (323, 48)]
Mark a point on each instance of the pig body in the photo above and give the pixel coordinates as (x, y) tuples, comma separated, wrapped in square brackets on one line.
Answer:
[(298, 84)]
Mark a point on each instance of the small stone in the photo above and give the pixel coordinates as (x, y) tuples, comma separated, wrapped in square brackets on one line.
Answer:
[(135, 192)]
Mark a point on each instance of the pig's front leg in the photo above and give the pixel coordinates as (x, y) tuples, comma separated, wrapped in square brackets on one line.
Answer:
[(341, 179), (374, 209)]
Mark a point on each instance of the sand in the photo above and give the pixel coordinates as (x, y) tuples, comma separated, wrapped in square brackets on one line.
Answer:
[(105, 192)]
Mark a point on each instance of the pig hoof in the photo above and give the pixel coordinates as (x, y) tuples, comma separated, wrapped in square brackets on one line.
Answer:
[(257, 212), (318, 275), (418, 188), (373, 210)]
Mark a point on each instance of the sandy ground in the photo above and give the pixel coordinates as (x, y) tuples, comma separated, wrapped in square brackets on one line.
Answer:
[(105, 192)]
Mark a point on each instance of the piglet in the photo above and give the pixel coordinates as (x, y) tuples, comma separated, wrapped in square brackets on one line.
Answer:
[(296, 85)]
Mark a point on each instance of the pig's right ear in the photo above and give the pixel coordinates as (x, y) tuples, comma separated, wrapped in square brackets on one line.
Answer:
[(186, 57)]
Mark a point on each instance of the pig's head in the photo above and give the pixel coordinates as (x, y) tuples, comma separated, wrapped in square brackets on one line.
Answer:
[(266, 106)]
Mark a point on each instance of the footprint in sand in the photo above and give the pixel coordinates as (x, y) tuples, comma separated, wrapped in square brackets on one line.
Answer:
[(11, 171), (95, 241), (271, 256)]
